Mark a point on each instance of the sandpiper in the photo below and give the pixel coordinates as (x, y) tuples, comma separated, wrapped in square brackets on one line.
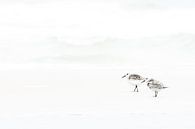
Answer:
[(155, 86), (134, 79)]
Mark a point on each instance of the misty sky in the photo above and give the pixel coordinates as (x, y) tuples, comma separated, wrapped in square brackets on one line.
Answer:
[(43, 28), (137, 3)]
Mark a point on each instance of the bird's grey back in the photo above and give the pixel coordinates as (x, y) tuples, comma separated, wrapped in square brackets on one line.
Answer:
[(135, 77), (154, 84)]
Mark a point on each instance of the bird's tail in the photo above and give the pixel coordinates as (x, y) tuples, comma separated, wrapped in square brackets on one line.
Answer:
[(165, 87)]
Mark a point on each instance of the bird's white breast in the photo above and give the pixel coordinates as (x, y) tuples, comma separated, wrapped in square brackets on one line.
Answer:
[(134, 82)]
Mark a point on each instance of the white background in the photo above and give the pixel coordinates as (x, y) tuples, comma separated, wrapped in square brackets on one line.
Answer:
[(61, 64)]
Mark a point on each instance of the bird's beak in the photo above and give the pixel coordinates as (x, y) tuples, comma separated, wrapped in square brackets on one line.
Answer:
[(123, 76), (144, 80)]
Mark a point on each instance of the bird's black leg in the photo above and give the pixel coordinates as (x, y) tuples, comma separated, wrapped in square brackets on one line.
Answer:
[(136, 88), (156, 93)]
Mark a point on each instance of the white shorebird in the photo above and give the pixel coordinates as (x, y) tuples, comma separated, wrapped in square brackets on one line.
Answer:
[(155, 86), (134, 79)]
